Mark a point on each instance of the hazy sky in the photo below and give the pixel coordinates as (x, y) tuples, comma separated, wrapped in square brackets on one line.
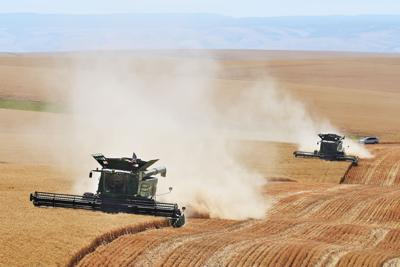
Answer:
[(223, 7)]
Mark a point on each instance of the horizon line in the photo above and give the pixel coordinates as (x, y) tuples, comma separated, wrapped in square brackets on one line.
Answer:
[(2, 52), (198, 14)]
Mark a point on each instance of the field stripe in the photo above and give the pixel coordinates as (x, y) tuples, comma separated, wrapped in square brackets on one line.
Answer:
[(383, 169), (312, 228)]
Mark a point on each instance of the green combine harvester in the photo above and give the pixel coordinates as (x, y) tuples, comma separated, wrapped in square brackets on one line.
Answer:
[(331, 148), (125, 185)]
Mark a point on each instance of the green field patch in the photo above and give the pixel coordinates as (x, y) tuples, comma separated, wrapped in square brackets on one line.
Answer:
[(31, 105)]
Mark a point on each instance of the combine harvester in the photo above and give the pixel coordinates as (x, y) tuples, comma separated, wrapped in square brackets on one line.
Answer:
[(331, 148), (125, 185)]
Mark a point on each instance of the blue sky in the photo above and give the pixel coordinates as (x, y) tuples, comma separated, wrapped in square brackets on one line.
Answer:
[(248, 8)]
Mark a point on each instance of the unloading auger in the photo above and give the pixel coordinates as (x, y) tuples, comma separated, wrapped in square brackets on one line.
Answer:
[(125, 185)]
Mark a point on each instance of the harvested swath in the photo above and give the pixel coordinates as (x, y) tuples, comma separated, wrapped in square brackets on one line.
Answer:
[(316, 225), (112, 235), (383, 169), (147, 242), (279, 164)]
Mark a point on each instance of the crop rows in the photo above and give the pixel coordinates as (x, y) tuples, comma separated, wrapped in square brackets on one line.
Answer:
[(319, 225), (383, 169), (352, 224)]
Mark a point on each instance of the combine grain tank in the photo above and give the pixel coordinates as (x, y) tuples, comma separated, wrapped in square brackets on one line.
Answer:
[(331, 148), (125, 185)]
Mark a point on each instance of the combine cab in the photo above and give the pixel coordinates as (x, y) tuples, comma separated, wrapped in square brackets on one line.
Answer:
[(331, 148), (125, 185)]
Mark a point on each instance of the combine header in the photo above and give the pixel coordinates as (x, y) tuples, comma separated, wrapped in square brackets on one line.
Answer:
[(331, 148), (125, 185)]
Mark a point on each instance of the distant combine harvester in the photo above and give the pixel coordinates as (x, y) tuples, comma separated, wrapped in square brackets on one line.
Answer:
[(331, 148)]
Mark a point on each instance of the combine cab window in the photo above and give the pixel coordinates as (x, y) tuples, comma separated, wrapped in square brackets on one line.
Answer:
[(116, 183), (340, 147)]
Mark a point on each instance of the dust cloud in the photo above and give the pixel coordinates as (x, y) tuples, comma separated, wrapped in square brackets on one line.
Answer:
[(169, 108), (163, 111), (265, 111)]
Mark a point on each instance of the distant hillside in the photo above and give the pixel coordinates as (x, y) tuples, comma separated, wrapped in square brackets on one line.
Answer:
[(32, 32)]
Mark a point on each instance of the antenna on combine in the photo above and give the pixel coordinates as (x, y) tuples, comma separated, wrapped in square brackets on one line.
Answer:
[(166, 193)]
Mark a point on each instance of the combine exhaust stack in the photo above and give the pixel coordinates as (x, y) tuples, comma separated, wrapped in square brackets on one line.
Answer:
[(125, 185), (331, 148)]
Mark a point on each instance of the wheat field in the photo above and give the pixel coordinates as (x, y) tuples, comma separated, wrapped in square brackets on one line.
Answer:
[(321, 216), (309, 225)]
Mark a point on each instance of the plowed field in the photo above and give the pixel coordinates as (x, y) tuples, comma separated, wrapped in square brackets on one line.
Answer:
[(383, 169), (324, 225)]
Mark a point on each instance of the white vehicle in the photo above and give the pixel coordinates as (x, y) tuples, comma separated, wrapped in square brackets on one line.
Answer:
[(369, 140)]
